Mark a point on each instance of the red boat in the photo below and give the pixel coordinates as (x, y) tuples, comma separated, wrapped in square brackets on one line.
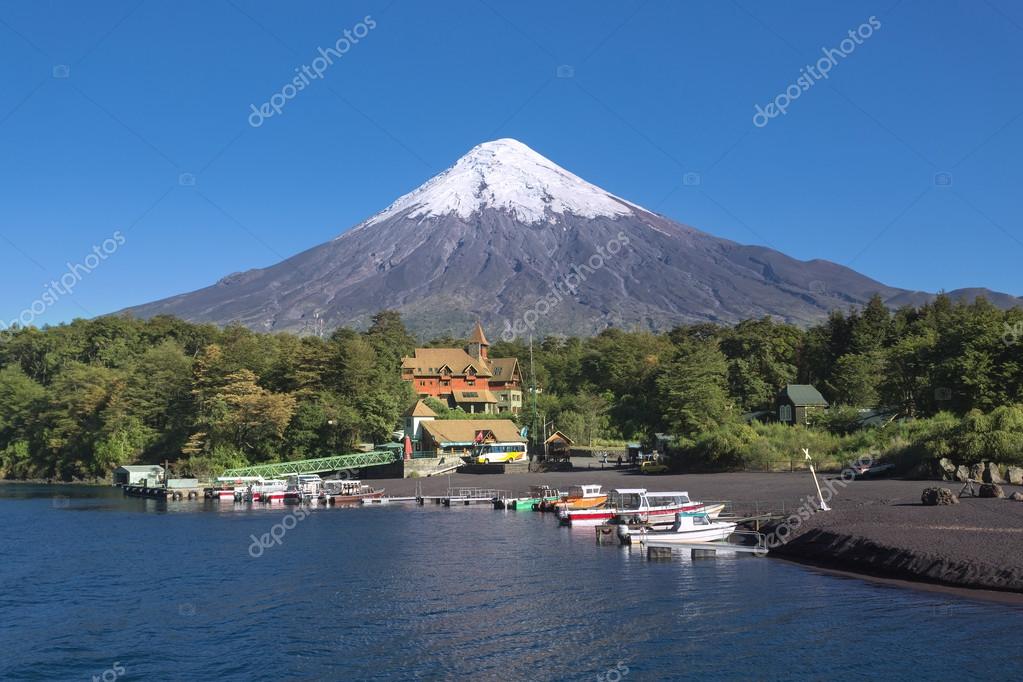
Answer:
[(649, 506), (349, 492)]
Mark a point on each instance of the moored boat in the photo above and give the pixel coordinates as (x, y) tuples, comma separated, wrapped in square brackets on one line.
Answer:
[(267, 491), (688, 527), (584, 496), (303, 488), (537, 495), (641, 505), (349, 492), (232, 488)]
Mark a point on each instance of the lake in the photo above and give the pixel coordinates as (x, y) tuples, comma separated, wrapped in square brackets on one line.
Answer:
[(97, 586)]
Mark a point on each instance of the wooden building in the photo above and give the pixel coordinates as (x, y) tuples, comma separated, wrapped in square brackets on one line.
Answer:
[(460, 435), (139, 474), (466, 377), (796, 402)]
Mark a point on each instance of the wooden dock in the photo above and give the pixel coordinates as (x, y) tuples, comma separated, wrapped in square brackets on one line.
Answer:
[(161, 492), (465, 496)]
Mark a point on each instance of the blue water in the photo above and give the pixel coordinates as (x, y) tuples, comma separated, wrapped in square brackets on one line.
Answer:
[(96, 586)]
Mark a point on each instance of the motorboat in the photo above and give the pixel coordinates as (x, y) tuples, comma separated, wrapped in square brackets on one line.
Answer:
[(688, 527), (537, 494), (303, 488), (272, 490), (585, 496), (640, 505), (232, 488), (339, 492)]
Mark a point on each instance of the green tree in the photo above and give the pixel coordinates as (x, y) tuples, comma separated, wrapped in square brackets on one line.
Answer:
[(692, 389)]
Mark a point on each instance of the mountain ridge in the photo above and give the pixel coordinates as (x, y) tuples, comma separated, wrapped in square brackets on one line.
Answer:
[(491, 237)]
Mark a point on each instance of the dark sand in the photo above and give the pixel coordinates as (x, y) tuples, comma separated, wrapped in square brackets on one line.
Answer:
[(877, 528)]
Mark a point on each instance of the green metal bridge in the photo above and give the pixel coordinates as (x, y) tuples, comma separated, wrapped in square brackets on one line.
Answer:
[(317, 466)]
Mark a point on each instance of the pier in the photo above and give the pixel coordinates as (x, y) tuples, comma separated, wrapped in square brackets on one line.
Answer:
[(465, 496)]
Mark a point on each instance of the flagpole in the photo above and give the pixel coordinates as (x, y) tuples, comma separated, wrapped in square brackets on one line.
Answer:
[(824, 505)]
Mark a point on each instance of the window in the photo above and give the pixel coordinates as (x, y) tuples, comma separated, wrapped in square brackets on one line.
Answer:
[(785, 413)]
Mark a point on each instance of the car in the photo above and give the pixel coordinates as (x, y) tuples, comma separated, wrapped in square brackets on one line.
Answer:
[(652, 467)]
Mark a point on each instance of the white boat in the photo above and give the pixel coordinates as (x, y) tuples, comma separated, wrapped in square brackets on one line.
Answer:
[(233, 488), (643, 506), (304, 488), (688, 527), (267, 491)]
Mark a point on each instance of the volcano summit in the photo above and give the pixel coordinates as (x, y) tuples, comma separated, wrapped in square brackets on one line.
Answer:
[(508, 237)]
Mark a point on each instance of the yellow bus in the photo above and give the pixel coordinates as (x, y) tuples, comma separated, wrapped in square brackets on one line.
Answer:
[(495, 453)]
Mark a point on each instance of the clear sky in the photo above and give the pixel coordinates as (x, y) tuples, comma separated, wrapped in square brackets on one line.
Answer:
[(133, 118)]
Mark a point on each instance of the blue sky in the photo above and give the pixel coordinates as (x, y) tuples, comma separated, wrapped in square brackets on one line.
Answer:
[(156, 94)]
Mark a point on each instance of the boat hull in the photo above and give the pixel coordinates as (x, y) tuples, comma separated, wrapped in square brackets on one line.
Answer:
[(680, 537), (353, 499), (656, 515)]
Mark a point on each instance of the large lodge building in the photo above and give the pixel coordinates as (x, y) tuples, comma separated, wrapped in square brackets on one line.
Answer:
[(466, 378)]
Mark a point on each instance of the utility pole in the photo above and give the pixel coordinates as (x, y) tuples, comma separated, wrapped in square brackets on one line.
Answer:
[(532, 375)]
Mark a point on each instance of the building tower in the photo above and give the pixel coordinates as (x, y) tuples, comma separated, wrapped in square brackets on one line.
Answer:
[(478, 345)]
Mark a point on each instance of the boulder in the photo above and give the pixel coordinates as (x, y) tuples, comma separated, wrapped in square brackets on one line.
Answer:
[(991, 490), (938, 496), (962, 473), (977, 471), (1015, 475), (992, 473), (945, 469), (1016, 496)]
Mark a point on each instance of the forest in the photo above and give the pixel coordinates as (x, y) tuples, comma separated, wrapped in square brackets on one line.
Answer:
[(79, 399)]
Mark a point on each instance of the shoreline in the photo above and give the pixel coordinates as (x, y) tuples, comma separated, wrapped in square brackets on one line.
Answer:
[(1009, 598), (876, 530)]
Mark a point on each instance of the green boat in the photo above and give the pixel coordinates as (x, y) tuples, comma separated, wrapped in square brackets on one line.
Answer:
[(537, 494)]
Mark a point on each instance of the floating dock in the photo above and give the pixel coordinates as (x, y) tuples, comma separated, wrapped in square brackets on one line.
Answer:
[(161, 492)]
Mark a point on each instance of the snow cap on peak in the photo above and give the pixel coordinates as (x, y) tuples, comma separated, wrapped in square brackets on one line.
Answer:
[(507, 175)]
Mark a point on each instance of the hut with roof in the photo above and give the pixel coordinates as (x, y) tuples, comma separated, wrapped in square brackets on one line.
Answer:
[(796, 402), (460, 436)]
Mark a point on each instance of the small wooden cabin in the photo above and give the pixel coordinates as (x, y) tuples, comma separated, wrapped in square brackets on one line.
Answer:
[(796, 402)]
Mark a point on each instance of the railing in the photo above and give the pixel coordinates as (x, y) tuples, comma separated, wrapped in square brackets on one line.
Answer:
[(315, 466)]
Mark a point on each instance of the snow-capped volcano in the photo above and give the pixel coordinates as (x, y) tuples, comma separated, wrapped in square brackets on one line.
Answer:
[(499, 236), (509, 176)]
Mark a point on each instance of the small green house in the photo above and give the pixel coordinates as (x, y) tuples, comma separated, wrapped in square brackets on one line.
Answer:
[(796, 402)]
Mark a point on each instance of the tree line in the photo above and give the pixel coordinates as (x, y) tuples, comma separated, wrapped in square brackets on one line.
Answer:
[(78, 399)]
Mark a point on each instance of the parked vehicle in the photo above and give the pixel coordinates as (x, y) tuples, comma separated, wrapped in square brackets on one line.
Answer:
[(652, 467), (496, 453)]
